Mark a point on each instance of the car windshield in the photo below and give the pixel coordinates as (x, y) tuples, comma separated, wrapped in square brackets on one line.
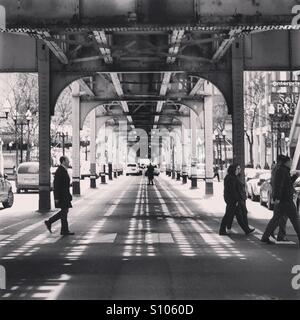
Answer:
[(29, 168), (131, 165)]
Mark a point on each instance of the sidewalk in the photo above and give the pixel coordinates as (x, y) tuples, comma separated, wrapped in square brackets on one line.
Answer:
[(26, 204)]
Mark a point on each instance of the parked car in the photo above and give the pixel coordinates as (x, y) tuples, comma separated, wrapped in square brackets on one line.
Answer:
[(132, 169), (200, 171), (6, 193), (266, 194), (28, 176), (254, 184)]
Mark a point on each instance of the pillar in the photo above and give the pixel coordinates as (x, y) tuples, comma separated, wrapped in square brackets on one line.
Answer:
[(238, 102), (116, 154), (76, 138), (93, 149), (184, 154), (173, 157), (208, 135), (44, 126), (193, 126)]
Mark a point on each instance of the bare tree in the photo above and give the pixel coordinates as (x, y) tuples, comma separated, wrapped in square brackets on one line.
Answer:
[(23, 96), (253, 95), (220, 114), (63, 112)]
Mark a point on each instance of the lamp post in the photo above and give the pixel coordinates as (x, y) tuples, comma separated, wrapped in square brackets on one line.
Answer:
[(271, 112), (19, 120), (225, 151), (63, 136), (218, 139), (86, 150)]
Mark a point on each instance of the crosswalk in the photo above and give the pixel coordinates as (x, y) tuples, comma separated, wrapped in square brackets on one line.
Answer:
[(150, 205)]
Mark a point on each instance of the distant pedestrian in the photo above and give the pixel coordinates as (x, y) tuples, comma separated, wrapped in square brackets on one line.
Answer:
[(283, 194), (216, 173), (62, 197), (233, 201), (150, 174)]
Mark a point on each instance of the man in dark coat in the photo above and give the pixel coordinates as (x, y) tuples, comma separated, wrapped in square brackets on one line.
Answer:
[(62, 197), (233, 199), (150, 174), (283, 194), (281, 236)]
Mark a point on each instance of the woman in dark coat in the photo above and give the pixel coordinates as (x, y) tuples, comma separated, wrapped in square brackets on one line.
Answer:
[(150, 173), (234, 201)]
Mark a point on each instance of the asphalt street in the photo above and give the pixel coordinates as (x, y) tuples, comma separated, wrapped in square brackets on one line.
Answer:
[(134, 241)]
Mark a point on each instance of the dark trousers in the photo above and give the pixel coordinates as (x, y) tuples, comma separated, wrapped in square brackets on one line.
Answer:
[(63, 216), (234, 209), (217, 175), (241, 207), (282, 223), (150, 180), (288, 209)]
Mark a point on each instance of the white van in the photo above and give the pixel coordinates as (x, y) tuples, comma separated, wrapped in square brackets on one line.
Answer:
[(132, 169), (28, 177)]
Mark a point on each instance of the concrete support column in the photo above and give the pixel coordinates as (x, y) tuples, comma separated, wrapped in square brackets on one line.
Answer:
[(76, 138), (93, 150), (184, 154), (101, 147), (193, 126), (238, 102), (44, 126), (110, 153), (115, 155), (173, 175), (208, 134)]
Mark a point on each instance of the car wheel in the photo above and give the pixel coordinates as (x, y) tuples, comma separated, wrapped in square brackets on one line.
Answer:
[(26, 190), (10, 200), (18, 190)]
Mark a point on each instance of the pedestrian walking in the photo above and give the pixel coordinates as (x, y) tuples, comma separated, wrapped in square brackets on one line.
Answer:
[(241, 207), (283, 194), (281, 236), (233, 201), (216, 173), (62, 197), (150, 174)]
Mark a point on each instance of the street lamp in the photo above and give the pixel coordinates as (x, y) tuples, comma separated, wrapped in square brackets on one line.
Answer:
[(271, 112), (64, 136), (19, 120), (86, 150), (225, 151), (218, 139)]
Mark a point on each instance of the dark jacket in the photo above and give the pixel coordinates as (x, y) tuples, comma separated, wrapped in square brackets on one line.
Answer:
[(62, 188), (150, 171), (283, 188), (241, 189), (232, 188)]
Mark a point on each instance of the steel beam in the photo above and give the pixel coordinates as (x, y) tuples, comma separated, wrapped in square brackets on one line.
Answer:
[(54, 47), (99, 13)]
